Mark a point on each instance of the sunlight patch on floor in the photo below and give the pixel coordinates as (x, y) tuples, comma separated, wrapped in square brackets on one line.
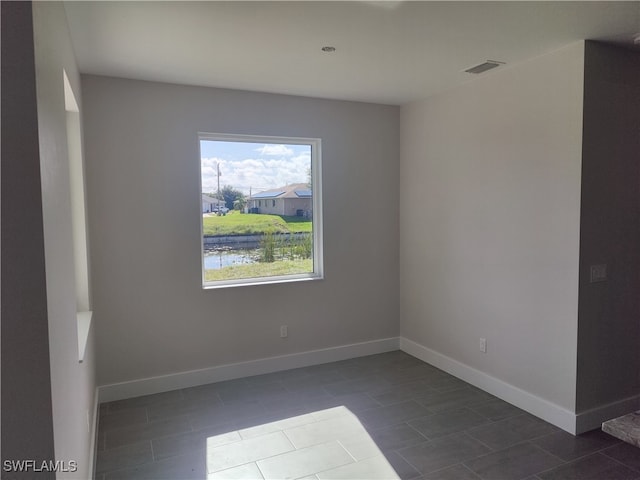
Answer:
[(325, 444)]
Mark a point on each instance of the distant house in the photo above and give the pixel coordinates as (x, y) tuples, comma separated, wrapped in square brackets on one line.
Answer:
[(209, 202), (292, 200)]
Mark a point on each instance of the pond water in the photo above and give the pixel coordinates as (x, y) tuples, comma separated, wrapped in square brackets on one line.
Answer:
[(215, 260)]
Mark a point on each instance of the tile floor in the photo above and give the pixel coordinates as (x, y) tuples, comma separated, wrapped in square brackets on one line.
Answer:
[(382, 416)]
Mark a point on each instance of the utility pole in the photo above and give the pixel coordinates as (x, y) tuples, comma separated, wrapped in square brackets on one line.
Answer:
[(218, 167)]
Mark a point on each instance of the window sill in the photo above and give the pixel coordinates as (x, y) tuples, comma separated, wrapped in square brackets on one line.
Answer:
[(84, 325), (262, 281)]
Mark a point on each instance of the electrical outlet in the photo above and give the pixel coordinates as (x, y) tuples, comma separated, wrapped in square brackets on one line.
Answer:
[(483, 345), (598, 273), (283, 331)]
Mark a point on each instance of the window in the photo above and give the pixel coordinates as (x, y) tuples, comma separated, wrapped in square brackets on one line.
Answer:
[(243, 243)]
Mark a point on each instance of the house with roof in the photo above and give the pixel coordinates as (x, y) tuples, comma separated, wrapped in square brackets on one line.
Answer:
[(209, 202), (294, 200)]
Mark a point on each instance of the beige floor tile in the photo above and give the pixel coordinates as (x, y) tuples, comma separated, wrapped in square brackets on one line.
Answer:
[(336, 428), (248, 471), (276, 426), (246, 451), (305, 461), (331, 412), (222, 439), (375, 468), (361, 446)]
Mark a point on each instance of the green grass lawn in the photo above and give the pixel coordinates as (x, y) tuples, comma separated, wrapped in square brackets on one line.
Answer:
[(253, 270), (236, 223)]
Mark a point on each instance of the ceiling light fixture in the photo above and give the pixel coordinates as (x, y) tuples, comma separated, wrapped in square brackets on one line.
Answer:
[(328, 49)]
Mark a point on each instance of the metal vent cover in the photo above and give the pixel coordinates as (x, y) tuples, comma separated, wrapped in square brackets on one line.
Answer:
[(483, 67)]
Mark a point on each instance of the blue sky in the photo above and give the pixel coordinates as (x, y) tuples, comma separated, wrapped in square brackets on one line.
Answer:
[(258, 166)]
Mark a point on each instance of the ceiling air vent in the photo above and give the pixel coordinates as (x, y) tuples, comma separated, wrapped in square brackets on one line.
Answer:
[(483, 67)]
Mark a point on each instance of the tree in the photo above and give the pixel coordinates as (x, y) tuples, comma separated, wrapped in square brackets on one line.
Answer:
[(230, 195), (240, 203)]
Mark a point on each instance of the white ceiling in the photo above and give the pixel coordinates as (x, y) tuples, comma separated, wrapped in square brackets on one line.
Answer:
[(387, 52)]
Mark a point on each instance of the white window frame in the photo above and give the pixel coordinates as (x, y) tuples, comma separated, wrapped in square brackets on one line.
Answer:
[(316, 179)]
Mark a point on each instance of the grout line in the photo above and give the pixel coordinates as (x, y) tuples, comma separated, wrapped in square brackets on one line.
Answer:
[(371, 397), (355, 460), (397, 452), (492, 450), (620, 462), (289, 440), (436, 472), (564, 464), (258, 467), (418, 432), (469, 470), (545, 451), (153, 455)]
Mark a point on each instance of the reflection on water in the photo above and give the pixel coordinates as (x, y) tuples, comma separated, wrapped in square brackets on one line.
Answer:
[(217, 259)]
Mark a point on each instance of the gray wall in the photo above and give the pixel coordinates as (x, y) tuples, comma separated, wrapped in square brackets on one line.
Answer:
[(489, 223), (609, 312), (144, 211), (27, 424)]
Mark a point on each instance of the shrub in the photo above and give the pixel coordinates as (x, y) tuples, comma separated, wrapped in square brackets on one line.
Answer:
[(268, 247), (303, 247)]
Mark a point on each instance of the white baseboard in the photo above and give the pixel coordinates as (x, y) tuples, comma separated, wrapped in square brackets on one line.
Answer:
[(550, 412), (593, 418), (165, 383)]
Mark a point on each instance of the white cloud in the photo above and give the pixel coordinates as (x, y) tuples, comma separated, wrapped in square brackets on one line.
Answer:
[(273, 149), (250, 167), (255, 174)]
